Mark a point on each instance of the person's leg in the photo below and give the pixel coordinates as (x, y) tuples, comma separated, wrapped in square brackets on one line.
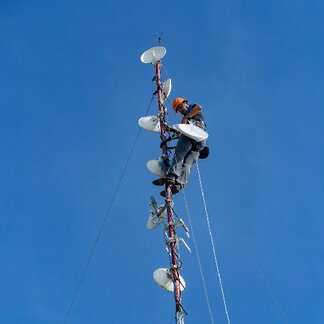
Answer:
[(183, 176), (183, 147), (188, 163)]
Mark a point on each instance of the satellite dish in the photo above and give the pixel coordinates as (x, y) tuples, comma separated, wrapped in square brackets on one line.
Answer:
[(153, 54), (166, 88), (163, 277), (192, 131), (157, 214), (155, 166), (150, 123), (156, 217)]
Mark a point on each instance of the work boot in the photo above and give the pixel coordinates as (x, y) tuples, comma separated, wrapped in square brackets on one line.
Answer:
[(174, 189), (159, 182), (170, 178), (163, 193), (167, 179)]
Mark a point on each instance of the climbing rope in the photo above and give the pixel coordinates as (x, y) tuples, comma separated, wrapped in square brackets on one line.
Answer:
[(196, 248), (213, 245), (248, 250), (104, 222), (198, 258)]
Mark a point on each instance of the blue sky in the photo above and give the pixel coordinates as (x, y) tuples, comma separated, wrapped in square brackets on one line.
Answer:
[(72, 90)]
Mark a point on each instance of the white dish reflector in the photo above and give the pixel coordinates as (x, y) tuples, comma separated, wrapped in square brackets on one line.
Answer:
[(166, 88), (153, 54), (163, 277), (157, 214), (155, 166), (150, 123), (192, 131), (156, 217)]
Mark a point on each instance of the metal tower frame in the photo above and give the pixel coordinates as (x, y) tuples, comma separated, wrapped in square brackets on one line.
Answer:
[(171, 238)]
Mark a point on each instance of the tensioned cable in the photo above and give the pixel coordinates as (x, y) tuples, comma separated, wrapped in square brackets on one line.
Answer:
[(213, 245), (166, 71), (198, 258), (104, 221), (249, 252)]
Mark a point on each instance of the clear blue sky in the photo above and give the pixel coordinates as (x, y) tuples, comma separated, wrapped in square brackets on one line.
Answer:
[(72, 89)]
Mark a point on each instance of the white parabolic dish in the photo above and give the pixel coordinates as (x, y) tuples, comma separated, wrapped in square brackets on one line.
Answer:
[(163, 278), (192, 131), (166, 88), (154, 220), (150, 123), (153, 54), (155, 167)]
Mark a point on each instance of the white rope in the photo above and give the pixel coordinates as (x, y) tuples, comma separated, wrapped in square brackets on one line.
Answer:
[(214, 252), (213, 245), (197, 252), (198, 258), (249, 251)]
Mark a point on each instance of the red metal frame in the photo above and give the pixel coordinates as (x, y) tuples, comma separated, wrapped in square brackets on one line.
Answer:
[(171, 230)]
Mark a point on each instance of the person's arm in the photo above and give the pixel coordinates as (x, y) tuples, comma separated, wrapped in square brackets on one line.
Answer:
[(195, 110)]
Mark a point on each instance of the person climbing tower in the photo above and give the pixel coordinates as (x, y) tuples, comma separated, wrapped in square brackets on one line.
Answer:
[(187, 150)]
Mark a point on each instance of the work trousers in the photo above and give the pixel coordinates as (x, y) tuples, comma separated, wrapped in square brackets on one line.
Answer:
[(185, 156)]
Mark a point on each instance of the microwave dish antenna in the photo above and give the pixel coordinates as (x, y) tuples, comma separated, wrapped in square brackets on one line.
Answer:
[(163, 277), (155, 167), (166, 89), (150, 123), (192, 131), (153, 55)]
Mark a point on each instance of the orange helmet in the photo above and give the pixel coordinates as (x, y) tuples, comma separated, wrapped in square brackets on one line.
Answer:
[(177, 101)]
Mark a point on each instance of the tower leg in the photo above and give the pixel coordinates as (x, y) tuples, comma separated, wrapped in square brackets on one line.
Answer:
[(179, 317)]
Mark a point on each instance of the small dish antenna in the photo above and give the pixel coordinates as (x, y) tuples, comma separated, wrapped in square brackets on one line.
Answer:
[(153, 54), (166, 88), (154, 220), (192, 131), (163, 277), (156, 215), (150, 123), (155, 167)]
